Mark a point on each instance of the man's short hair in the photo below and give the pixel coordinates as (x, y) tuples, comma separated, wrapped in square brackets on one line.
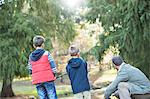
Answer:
[(73, 51), (38, 41), (117, 60)]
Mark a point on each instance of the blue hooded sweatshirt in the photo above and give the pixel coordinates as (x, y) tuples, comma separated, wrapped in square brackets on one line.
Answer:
[(78, 75), (36, 55)]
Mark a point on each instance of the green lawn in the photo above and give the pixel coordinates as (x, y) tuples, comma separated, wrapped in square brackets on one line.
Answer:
[(26, 88)]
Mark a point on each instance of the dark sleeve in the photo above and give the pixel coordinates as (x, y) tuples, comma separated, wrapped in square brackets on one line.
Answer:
[(68, 70), (85, 64)]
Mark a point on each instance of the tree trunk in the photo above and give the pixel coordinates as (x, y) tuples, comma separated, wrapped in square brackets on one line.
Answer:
[(7, 90)]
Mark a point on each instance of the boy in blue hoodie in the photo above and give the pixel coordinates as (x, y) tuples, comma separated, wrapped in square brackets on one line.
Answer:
[(42, 68), (78, 75)]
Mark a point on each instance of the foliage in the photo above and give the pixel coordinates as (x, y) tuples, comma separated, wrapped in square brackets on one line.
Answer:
[(20, 20), (15, 34), (53, 21), (126, 24)]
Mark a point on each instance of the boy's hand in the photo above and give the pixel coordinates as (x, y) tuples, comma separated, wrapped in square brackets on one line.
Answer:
[(57, 73)]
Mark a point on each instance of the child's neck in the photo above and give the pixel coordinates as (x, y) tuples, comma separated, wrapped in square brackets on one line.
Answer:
[(39, 47), (75, 56)]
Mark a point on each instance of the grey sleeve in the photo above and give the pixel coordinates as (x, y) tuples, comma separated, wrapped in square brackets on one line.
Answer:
[(121, 77)]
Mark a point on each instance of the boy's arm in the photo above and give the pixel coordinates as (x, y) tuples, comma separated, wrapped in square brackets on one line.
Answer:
[(29, 66), (52, 63), (67, 70), (86, 68)]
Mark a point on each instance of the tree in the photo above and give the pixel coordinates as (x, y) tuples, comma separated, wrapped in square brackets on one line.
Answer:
[(14, 34), (20, 20), (127, 25), (53, 20)]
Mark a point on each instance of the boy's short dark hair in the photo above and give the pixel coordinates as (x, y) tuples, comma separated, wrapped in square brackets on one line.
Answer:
[(73, 51), (117, 60), (38, 41)]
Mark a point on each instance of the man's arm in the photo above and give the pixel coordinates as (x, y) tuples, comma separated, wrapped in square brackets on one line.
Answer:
[(121, 77)]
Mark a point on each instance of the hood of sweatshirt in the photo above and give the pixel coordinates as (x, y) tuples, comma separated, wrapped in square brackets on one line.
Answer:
[(75, 62), (36, 55)]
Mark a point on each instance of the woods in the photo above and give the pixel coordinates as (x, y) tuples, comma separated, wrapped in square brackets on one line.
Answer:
[(126, 26), (17, 29)]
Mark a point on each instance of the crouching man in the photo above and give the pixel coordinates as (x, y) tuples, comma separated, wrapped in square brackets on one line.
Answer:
[(129, 80)]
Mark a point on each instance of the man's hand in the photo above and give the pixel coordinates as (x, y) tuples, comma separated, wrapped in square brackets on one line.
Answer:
[(105, 97), (115, 94), (113, 97)]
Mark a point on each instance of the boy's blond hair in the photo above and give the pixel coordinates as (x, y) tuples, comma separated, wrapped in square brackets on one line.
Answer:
[(73, 50)]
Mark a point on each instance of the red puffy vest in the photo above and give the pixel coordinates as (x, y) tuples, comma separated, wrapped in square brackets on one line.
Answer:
[(41, 70)]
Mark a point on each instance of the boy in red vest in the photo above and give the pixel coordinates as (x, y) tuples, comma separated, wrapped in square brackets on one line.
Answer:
[(42, 68)]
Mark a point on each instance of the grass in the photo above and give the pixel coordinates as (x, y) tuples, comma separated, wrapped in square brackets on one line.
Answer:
[(25, 91), (33, 92), (24, 86), (29, 89)]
